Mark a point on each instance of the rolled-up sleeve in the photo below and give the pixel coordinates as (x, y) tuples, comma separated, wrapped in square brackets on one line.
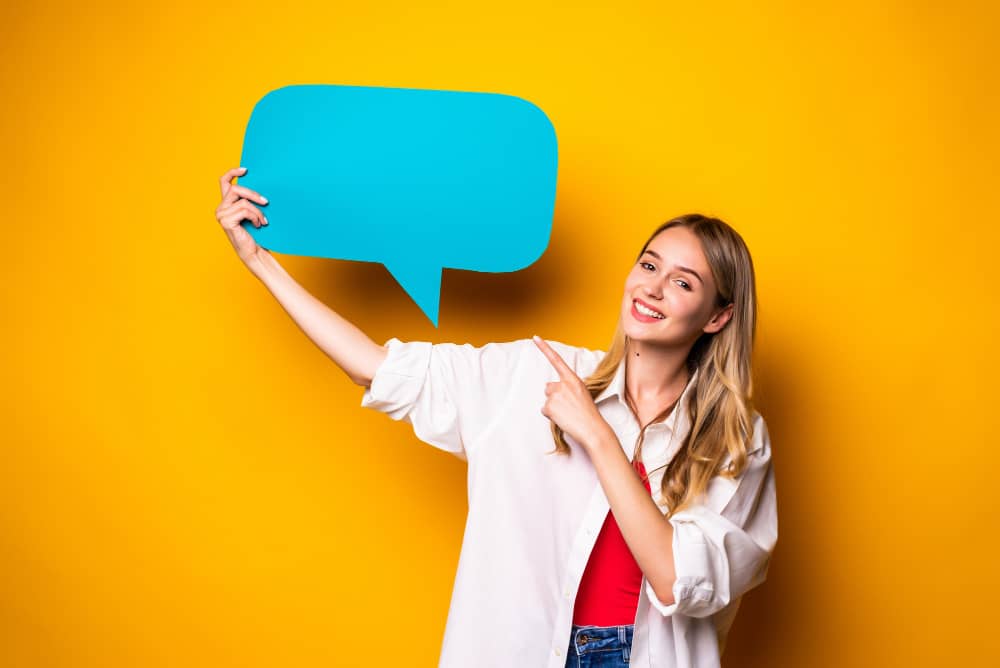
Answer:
[(449, 392), (722, 548)]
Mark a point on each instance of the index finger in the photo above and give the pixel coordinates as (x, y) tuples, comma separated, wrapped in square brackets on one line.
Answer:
[(560, 365), (226, 179)]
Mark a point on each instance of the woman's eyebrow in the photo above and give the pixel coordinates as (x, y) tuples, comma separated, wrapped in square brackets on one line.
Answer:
[(677, 266)]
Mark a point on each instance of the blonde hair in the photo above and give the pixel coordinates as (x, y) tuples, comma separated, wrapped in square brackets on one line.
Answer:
[(720, 401)]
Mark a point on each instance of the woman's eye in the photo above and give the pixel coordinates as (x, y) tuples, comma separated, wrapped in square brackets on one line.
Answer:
[(647, 264), (686, 286)]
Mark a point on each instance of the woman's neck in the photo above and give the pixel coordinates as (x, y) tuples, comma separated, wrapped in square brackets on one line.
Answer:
[(654, 375)]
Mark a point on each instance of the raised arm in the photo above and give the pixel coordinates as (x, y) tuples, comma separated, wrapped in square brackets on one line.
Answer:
[(350, 348)]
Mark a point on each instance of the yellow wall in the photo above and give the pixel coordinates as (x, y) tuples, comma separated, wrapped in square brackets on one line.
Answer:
[(186, 480)]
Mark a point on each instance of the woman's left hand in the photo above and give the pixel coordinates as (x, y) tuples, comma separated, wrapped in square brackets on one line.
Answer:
[(569, 403)]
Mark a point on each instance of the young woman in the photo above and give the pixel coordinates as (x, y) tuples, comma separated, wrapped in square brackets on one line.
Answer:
[(621, 503)]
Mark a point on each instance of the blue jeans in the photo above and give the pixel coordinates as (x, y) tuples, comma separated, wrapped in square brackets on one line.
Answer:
[(599, 646)]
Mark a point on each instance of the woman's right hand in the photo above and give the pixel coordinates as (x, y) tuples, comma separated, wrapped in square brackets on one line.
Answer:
[(235, 208), (341, 340)]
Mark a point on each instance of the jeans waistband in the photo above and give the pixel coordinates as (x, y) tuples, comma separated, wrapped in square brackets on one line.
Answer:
[(587, 638)]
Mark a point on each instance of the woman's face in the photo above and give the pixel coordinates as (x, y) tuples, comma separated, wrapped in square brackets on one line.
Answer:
[(684, 297)]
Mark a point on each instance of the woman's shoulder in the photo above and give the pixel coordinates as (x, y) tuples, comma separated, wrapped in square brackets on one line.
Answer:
[(509, 354), (581, 359), (525, 352), (760, 439)]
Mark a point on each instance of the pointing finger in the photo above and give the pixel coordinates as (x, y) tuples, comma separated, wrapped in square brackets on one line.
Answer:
[(560, 365)]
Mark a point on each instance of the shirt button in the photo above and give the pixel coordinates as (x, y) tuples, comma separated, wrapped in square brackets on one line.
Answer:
[(558, 652), (568, 593)]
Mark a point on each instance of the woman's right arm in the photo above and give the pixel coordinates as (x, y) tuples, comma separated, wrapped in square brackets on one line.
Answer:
[(350, 348)]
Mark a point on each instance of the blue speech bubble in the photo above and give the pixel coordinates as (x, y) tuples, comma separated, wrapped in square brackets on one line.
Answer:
[(417, 180)]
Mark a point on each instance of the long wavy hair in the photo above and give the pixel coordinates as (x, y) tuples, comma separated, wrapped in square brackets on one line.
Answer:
[(720, 403)]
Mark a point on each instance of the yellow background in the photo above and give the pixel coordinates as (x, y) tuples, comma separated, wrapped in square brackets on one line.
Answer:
[(187, 480)]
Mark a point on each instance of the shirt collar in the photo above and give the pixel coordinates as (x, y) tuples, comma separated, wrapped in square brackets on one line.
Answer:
[(616, 388)]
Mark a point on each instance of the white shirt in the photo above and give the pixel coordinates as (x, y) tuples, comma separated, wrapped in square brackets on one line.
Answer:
[(534, 518)]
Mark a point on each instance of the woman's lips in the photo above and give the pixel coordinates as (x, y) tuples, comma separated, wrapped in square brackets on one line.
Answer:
[(642, 317)]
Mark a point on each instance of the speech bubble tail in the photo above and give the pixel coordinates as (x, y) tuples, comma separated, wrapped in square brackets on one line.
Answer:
[(422, 283)]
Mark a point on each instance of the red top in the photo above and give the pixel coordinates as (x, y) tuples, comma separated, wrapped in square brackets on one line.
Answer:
[(609, 590)]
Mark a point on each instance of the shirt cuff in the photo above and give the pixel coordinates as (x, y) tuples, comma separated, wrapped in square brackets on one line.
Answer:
[(693, 589), (397, 381), (685, 593)]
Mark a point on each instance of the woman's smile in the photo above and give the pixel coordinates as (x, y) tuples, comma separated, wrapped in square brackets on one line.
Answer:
[(644, 316)]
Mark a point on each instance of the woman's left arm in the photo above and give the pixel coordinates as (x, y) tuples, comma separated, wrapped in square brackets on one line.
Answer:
[(648, 536), (707, 555), (722, 547)]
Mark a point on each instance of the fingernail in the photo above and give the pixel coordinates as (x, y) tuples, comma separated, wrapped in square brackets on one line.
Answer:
[(243, 169), (265, 221), (263, 199)]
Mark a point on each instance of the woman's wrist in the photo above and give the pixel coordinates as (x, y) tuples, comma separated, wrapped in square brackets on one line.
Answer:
[(265, 267), (602, 438)]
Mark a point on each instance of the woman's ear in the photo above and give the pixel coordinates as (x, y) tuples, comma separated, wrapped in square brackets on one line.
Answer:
[(720, 319)]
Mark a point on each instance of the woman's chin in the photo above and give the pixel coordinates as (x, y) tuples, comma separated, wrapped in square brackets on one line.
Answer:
[(637, 333)]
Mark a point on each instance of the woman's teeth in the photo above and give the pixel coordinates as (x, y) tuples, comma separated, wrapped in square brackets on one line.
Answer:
[(645, 311)]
